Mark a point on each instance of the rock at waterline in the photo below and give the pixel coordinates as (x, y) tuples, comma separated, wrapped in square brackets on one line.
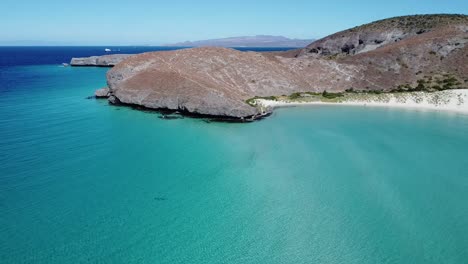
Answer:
[(102, 93)]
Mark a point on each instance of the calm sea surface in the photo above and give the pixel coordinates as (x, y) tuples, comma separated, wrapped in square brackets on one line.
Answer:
[(85, 182)]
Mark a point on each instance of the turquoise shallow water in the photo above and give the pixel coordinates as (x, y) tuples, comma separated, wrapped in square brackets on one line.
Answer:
[(85, 182)]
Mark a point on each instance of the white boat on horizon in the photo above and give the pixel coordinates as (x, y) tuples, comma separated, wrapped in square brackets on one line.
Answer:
[(107, 50)]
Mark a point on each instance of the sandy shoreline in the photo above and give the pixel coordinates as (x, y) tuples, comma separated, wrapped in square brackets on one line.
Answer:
[(448, 100)]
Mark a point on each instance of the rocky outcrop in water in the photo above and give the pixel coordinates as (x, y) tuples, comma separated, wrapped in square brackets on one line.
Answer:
[(102, 93), (218, 81), (99, 61)]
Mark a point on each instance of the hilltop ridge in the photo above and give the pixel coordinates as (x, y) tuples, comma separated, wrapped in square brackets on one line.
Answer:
[(377, 34)]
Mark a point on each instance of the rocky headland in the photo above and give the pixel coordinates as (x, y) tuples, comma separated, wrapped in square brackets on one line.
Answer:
[(424, 53), (99, 61)]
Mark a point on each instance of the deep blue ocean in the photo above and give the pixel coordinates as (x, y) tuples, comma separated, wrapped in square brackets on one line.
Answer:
[(16, 56), (85, 182)]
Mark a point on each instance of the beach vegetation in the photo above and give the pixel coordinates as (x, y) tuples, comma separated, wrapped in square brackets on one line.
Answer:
[(433, 83), (401, 88), (374, 92), (430, 84), (252, 101), (299, 95), (294, 96), (328, 95), (421, 85), (312, 93)]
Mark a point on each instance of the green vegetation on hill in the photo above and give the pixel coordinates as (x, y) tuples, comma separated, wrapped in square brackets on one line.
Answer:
[(252, 101), (431, 84), (328, 95), (427, 84)]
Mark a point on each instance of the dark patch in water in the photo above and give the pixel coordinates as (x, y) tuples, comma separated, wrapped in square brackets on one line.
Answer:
[(170, 117), (90, 97), (160, 199)]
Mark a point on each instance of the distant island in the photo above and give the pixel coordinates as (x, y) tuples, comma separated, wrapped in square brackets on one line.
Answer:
[(417, 61), (247, 41)]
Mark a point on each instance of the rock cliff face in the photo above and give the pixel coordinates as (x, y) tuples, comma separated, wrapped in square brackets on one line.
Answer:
[(380, 33), (99, 61), (381, 56), (208, 81)]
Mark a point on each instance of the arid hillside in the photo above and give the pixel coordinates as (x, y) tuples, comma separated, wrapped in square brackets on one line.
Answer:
[(415, 53)]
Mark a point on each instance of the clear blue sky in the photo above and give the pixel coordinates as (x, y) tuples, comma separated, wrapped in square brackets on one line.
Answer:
[(135, 22)]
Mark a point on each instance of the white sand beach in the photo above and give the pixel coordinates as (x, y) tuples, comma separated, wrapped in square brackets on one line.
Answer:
[(448, 100)]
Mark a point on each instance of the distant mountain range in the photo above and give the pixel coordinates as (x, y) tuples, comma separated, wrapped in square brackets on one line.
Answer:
[(248, 41), (244, 41)]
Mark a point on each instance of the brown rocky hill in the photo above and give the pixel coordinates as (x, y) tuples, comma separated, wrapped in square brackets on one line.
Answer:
[(209, 81), (407, 53), (416, 59), (380, 33)]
